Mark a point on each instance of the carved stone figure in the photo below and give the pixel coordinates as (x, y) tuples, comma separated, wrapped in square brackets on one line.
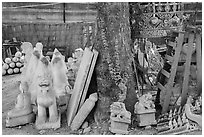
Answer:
[(32, 71), (46, 98), (145, 110), (190, 115), (145, 104), (27, 49), (22, 113), (74, 62), (120, 118), (59, 70)]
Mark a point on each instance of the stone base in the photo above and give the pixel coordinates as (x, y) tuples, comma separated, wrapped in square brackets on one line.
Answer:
[(146, 119), (49, 125), (119, 127), (22, 120)]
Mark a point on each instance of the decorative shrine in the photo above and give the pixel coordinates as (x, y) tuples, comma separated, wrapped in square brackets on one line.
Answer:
[(155, 19)]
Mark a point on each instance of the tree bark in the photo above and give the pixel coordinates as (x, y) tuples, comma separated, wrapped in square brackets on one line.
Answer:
[(114, 72)]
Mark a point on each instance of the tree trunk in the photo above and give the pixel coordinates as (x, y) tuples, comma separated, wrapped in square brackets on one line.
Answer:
[(115, 75)]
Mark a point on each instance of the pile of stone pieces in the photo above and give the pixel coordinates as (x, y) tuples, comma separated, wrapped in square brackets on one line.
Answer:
[(177, 122)]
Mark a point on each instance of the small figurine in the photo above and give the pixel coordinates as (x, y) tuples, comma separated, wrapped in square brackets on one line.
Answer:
[(23, 112), (120, 118), (145, 110)]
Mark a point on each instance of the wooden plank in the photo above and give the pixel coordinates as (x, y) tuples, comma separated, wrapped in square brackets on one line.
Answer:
[(160, 86), (172, 44), (169, 58), (187, 70), (199, 63), (165, 73), (79, 85), (93, 62), (173, 72)]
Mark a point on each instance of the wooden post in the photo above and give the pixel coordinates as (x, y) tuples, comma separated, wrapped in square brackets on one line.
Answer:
[(64, 14), (187, 70), (174, 66), (199, 63)]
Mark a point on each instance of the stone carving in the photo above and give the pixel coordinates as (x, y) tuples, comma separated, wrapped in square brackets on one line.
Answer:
[(22, 113), (46, 98), (27, 49), (190, 115), (145, 104), (155, 19), (178, 123), (145, 110), (120, 118), (31, 71), (74, 62), (84, 111), (59, 70)]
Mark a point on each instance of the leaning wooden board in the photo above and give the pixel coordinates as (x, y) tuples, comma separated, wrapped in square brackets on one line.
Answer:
[(88, 80), (80, 83)]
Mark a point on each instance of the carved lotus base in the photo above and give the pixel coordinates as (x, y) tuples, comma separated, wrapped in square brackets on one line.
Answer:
[(21, 120)]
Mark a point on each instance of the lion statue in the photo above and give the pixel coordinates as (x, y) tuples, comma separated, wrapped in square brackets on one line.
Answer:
[(46, 98), (145, 103)]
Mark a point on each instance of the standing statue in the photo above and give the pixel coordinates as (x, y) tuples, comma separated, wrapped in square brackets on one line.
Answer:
[(46, 97), (59, 70), (31, 71)]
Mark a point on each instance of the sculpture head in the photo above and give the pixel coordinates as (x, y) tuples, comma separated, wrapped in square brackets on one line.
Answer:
[(148, 97), (78, 53), (27, 47), (57, 58), (44, 76), (39, 46)]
